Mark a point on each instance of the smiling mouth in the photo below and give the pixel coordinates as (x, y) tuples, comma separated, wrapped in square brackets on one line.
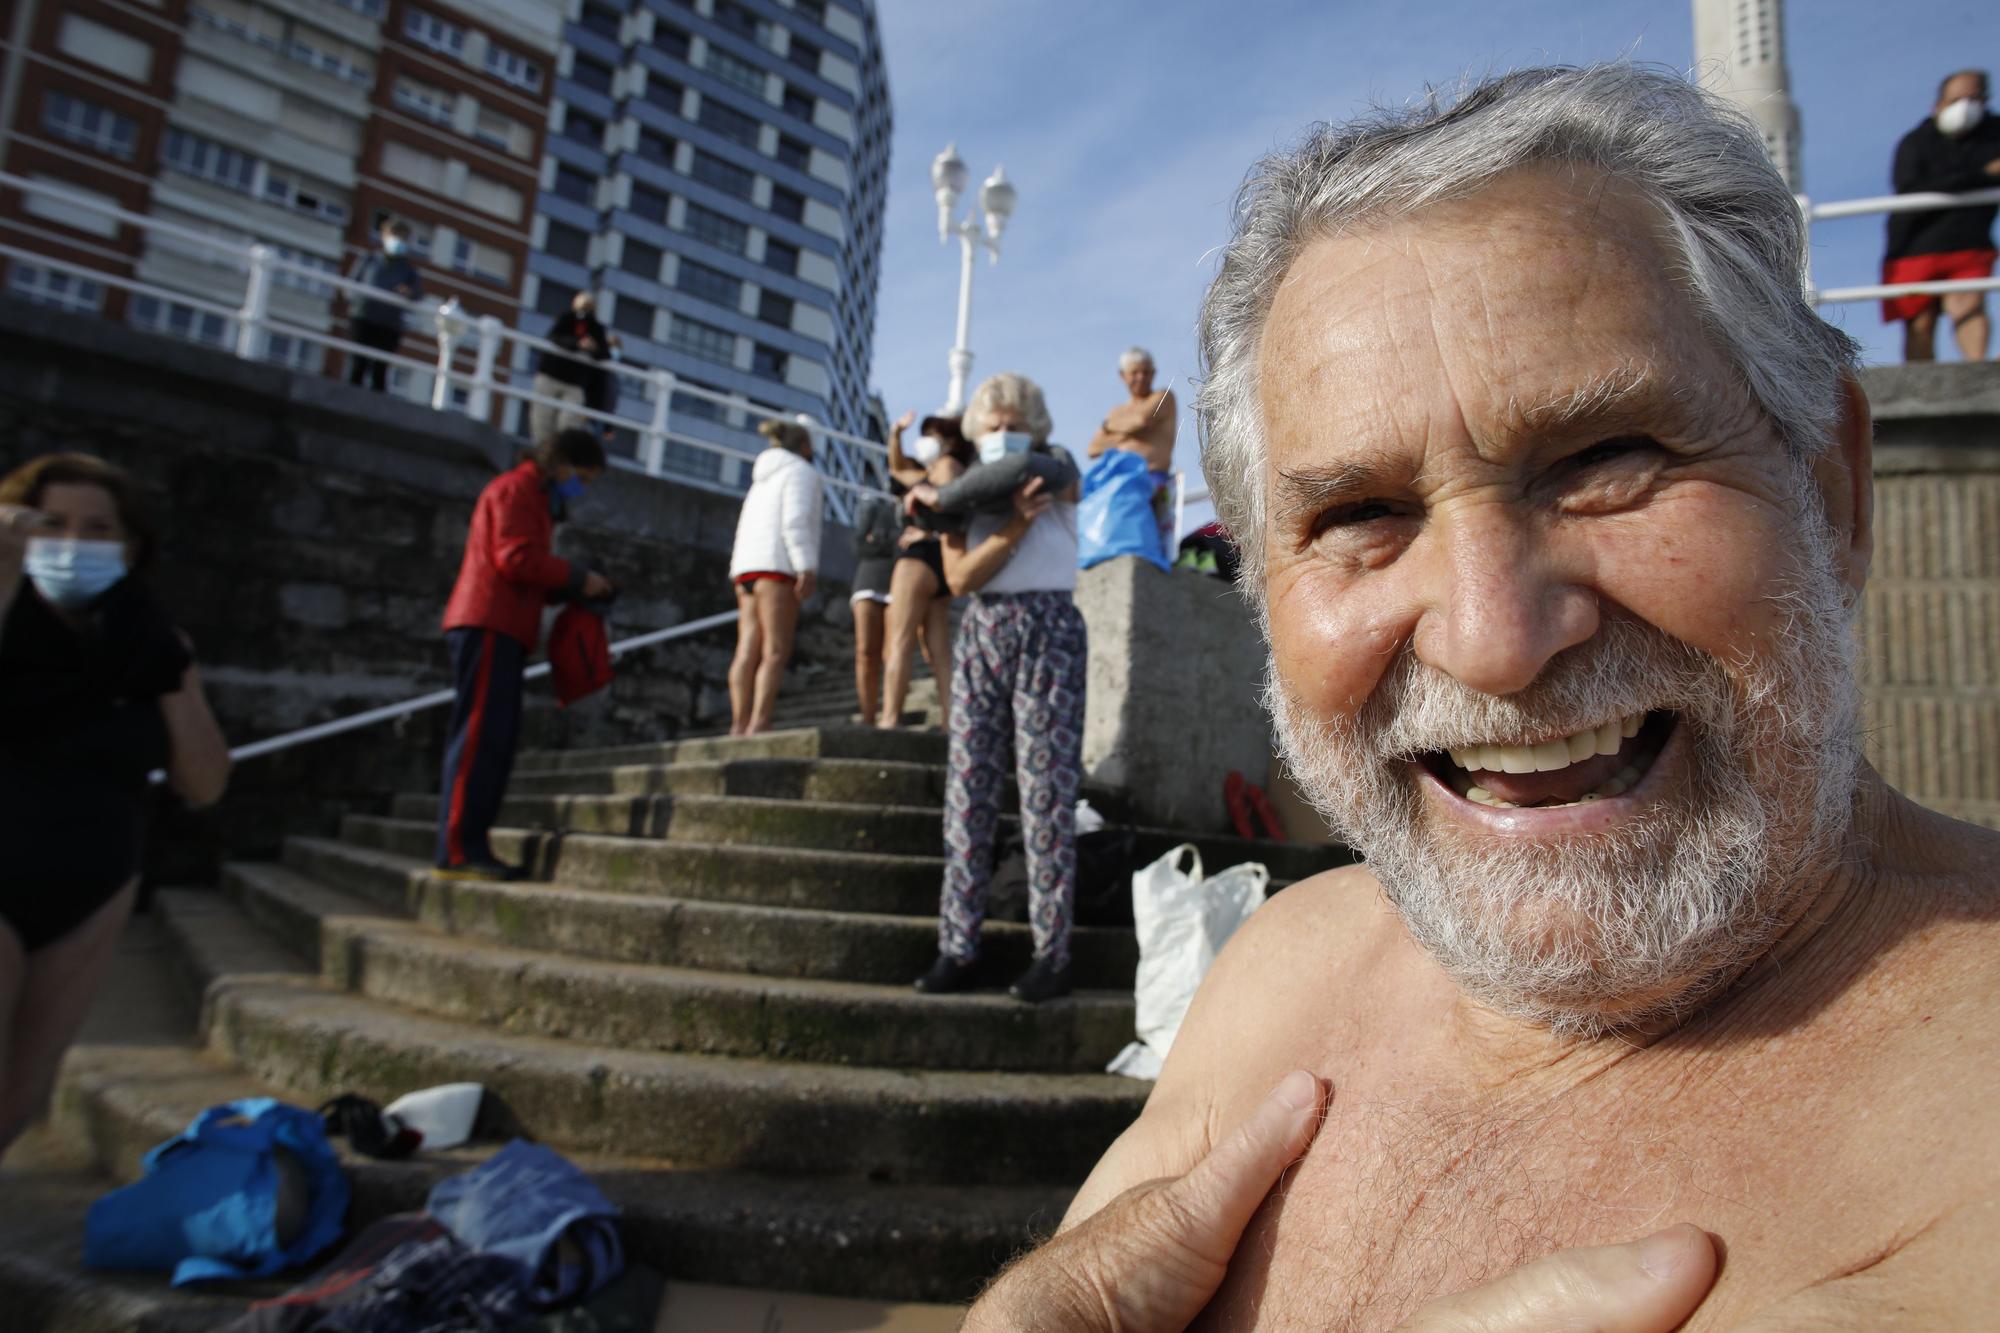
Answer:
[(1595, 764)]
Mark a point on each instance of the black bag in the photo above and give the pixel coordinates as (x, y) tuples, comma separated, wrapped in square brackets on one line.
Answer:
[(1104, 864)]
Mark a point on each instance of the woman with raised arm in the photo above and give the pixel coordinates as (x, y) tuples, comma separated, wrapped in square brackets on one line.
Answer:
[(919, 600)]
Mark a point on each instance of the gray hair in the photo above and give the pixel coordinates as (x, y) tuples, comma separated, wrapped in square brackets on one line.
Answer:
[(1009, 390), (1737, 241), (1135, 356)]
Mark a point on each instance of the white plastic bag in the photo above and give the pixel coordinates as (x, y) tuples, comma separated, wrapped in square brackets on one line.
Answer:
[(443, 1115), (1183, 920)]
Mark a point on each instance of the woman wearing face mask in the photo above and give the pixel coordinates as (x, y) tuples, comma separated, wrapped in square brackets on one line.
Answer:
[(1018, 686), (774, 566), (919, 600), (97, 690)]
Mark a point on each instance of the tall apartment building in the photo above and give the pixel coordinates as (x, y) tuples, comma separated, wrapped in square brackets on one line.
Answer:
[(297, 123), (717, 172), (1739, 47)]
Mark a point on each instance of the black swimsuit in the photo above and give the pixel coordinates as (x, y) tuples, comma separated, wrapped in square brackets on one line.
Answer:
[(80, 728), (929, 553)]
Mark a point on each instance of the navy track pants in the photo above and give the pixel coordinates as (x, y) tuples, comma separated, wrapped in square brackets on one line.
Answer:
[(479, 753)]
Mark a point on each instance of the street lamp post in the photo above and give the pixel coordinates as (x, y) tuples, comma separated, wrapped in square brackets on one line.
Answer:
[(949, 178)]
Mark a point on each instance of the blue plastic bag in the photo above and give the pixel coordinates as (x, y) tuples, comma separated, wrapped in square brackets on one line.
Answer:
[(208, 1204), (522, 1200), (1116, 515)]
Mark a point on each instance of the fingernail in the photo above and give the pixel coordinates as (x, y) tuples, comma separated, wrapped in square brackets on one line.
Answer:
[(1297, 1091), (1664, 1253)]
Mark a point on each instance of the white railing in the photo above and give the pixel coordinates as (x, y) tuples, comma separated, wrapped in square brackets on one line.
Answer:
[(470, 354), (1895, 203)]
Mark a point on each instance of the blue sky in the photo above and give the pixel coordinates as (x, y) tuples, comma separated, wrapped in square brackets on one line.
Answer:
[(1127, 126)]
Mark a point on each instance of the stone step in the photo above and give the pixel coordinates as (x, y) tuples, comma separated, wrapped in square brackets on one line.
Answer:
[(728, 937), (831, 742), (836, 827), (125, 1091), (646, 1007), (769, 876), (265, 1012)]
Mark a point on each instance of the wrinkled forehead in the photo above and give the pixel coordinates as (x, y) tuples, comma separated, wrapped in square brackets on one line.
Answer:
[(1466, 323)]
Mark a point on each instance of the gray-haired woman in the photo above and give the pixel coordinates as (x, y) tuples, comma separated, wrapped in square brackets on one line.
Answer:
[(1018, 681)]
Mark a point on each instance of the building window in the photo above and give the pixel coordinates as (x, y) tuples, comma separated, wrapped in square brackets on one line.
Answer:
[(768, 363), (633, 317), (344, 63), (602, 20), (433, 104), (775, 309), (303, 196), (788, 204), (724, 176), (728, 122), (701, 340), (735, 18), (583, 129), (244, 22), (294, 353), (642, 259), (107, 48), (574, 185), (413, 167), (650, 204), (703, 409), (794, 154), (656, 147), (565, 242), (179, 321), (780, 256), (812, 9), (725, 233), (488, 263), (805, 55), (798, 103), (709, 284), (670, 40), (664, 93), (733, 70), (427, 29), (492, 196), (552, 298), (688, 459), (89, 124), (298, 269), (591, 74), (371, 9), (518, 70), (510, 136), (55, 287), (209, 160)]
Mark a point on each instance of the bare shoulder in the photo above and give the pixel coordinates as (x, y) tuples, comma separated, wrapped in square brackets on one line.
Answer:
[(1250, 1024)]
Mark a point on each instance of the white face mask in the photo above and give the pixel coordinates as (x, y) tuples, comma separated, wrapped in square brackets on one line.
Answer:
[(395, 245), (996, 445), (1960, 116), (69, 573), (926, 450)]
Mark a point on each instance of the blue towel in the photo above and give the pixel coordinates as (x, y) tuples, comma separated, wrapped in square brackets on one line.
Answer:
[(519, 1203), (207, 1205)]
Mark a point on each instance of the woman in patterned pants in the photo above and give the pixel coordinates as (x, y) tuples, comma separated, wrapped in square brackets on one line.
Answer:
[(1018, 684)]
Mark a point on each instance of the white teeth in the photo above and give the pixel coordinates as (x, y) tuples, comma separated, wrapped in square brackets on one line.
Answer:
[(1550, 756)]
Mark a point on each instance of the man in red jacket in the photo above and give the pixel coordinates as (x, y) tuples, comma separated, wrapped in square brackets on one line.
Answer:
[(509, 574)]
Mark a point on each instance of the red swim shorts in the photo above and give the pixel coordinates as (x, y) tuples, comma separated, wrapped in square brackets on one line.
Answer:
[(1930, 268), (744, 580)]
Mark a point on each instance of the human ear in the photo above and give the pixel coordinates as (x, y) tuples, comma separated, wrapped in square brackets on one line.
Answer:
[(1845, 476)]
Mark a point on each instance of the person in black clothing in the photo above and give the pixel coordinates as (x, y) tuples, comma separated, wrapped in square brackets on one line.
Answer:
[(1957, 148), (876, 528), (97, 690), (379, 323), (577, 375)]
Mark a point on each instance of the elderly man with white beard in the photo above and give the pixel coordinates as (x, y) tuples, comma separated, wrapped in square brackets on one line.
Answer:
[(1554, 499)]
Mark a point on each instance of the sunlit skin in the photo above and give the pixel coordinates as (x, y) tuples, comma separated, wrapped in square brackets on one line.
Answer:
[(1491, 428), (1144, 424)]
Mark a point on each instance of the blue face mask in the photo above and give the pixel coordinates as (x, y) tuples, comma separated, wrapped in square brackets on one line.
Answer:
[(996, 445), (568, 490), (71, 574)]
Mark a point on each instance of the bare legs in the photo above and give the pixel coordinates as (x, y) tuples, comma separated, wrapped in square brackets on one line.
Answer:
[(869, 617), (743, 667), (1970, 326), (43, 999), (777, 604), (912, 589), (937, 651)]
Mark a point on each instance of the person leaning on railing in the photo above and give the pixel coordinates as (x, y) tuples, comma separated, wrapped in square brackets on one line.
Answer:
[(574, 374), (1955, 149), (509, 574), (378, 323), (97, 690)]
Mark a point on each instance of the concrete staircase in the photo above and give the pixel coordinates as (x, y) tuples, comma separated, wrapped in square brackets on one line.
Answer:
[(703, 998)]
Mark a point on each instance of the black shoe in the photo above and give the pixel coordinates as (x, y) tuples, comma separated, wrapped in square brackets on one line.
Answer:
[(1042, 981), (947, 976), (491, 871)]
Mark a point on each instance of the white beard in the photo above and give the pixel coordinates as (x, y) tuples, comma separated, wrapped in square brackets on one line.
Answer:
[(1591, 932)]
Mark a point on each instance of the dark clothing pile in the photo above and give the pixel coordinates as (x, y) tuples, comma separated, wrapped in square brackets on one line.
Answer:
[(80, 728), (1929, 159)]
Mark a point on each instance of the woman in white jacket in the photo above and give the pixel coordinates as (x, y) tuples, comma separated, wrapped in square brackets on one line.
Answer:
[(773, 568)]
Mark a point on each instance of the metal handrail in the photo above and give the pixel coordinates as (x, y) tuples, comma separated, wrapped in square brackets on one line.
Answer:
[(1915, 202), (438, 698)]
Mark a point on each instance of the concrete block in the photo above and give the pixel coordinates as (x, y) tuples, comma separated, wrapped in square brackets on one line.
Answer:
[(1176, 664)]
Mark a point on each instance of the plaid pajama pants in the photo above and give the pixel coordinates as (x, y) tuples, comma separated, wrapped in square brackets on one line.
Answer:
[(1017, 690)]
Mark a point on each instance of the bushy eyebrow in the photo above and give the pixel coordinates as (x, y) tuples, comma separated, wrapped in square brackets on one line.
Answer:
[(1305, 491), (1619, 394)]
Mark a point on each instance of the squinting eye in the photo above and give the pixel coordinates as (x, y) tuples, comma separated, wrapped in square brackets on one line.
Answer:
[(1347, 516), (1609, 449)]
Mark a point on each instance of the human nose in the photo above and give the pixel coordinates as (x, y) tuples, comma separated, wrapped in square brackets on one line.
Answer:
[(1502, 600)]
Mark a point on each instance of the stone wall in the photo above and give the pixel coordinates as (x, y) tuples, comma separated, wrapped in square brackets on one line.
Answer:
[(1930, 625), (311, 533)]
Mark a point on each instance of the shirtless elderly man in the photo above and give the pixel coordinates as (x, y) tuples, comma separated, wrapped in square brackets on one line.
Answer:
[(1146, 422), (1554, 496)]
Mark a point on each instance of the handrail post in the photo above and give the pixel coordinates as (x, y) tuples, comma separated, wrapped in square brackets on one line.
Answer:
[(480, 404), (1180, 510), (450, 327), (251, 339), (1806, 214), (653, 449)]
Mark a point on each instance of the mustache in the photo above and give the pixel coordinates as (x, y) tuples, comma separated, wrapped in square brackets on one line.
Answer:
[(1627, 667)]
